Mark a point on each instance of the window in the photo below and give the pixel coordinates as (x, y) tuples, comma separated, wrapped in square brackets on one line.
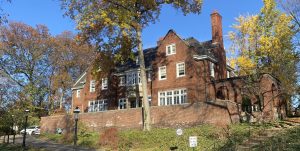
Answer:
[(212, 69), (171, 49), (104, 83), (98, 105), (133, 78), (122, 103), (228, 74), (162, 73), (78, 93), (122, 81), (92, 86), (172, 97), (180, 69), (161, 97)]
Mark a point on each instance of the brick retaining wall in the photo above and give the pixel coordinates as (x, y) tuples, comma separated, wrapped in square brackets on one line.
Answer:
[(161, 116)]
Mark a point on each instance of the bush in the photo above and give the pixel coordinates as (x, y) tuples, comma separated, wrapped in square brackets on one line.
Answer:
[(109, 138)]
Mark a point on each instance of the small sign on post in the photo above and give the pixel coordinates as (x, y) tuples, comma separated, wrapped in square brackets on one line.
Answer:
[(179, 132), (193, 141)]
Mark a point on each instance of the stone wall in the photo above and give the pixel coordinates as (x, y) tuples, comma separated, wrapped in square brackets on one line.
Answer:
[(218, 113)]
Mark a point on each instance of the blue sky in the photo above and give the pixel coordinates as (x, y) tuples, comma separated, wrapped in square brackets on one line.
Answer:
[(48, 12)]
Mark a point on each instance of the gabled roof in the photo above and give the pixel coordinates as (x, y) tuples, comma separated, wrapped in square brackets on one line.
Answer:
[(80, 81)]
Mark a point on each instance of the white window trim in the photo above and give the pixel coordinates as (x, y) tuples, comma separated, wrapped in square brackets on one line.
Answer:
[(171, 49), (101, 106), (104, 83), (78, 93), (165, 97), (159, 73), (92, 85), (177, 69)]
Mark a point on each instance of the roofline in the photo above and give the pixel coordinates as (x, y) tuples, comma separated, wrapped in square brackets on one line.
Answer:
[(204, 57), (80, 77)]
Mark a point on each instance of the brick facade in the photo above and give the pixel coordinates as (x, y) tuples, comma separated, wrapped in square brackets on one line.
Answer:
[(207, 80)]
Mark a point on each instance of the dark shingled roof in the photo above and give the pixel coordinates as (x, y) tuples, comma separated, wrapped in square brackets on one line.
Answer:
[(149, 56), (201, 48)]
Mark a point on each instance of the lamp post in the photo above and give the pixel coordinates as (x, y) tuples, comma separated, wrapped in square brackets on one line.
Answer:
[(13, 123), (76, 112), (24, 135)]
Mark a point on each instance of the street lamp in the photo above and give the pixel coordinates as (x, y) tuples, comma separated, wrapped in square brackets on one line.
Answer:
[(13, 123), (24, 135), (76, 112)]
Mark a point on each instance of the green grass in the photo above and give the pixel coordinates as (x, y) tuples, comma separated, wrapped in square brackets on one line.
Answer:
[(209, 138), (288, 140)]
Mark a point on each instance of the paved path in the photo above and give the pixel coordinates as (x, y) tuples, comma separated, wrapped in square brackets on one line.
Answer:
[(45, 145)]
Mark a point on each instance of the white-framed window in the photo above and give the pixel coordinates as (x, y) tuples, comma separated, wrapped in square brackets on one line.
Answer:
[(122, 81), (212, 69), (122, 103), (97, 105), (162, 98), (92, 85), (180, 69), (228, 74), (172, 97), (77, 93), (133, 78), (104, 83), (171, 49), (162, 73)]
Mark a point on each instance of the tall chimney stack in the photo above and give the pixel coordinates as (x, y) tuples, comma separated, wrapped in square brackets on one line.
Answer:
[(216, 22), (217, 41)]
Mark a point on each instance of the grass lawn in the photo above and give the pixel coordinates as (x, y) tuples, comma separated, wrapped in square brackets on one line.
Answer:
[(208, 138), (288, 140)]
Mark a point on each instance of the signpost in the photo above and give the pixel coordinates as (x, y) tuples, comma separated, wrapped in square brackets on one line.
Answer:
[(193, 141), (179, 132)]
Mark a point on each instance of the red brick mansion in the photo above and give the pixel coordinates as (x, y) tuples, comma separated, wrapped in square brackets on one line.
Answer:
[(180, 71)]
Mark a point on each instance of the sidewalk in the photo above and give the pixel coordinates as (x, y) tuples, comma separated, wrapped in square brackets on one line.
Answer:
[(45, 145)]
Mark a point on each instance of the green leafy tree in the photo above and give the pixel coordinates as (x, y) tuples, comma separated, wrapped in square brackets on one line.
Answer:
[(116, 27)]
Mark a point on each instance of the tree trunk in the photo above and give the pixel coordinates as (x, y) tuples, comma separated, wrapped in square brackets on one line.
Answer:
[(61, 99), (147, 119)]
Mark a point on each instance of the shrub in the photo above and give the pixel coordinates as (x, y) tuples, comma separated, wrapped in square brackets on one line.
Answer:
[(109, 138)]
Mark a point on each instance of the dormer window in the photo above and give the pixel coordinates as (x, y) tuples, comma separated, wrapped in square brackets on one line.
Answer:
[(171, 49)]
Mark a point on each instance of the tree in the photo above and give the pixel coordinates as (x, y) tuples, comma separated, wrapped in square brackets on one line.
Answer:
[(264, 45), (25, 59), (116, 26), (68, 61), (3, 15)]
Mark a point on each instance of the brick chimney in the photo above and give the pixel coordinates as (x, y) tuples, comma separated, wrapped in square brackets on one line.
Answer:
[(216, 24), (217, 41)]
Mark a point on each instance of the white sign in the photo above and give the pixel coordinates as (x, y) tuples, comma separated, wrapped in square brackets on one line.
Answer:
[(193, 141), (179, 132)]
